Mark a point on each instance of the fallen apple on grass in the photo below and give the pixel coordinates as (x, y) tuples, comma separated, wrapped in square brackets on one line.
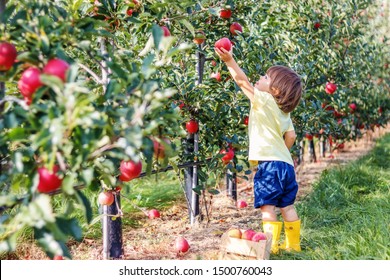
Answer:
[(181, 245), (153, 214), (241, 204)]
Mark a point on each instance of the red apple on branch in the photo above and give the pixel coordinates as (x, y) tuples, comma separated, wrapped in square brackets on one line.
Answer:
[(56, 67), (106, 198), (192, 126), (8, 55), (166, 31), (235, 27), (228, 155), (199, 37), (29, 82), (225, 13), (216, 76), (317, 25), (246, 120), (129, 170), (48, 180), (353, 107), (330, 88)]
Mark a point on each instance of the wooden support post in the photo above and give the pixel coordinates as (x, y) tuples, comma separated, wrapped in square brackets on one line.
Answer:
[(112, 230)]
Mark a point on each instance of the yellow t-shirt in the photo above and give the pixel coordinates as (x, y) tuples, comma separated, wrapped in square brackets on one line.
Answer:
[(267, 125)]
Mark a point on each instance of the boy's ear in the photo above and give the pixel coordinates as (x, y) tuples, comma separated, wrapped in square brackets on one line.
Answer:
[(275, 91)]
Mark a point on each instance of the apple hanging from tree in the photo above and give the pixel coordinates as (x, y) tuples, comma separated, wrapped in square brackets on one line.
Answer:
[(129, 170), (159, 149), (166, 31), (235, 27), (29, 82), (181, 245), (246, 120), (223, 43), (225, 13), (192, 126), (228, 155), (330, 88), (48, 180), (56, 67), (106, 198), (216, 76), (353, 107), (8, 55), (199, 37), (309, 136), (317, 25)]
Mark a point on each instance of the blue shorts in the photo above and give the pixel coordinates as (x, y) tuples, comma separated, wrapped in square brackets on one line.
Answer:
[(275, 184)]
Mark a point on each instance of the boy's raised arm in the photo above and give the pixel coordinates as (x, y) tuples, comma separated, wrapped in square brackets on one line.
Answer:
[(238, 75)]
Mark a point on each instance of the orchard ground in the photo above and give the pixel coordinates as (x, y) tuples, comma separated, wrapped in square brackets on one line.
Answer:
[(153, 239)]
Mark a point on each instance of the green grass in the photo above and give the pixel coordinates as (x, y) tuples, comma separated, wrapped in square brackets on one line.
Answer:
[(347, 217)]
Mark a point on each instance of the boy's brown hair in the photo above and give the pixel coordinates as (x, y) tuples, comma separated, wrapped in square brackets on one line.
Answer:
[(286, 87)]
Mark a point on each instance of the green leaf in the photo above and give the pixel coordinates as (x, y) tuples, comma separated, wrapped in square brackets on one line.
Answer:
[(189, 26), (86, 205), (70, 227), (157, 33)]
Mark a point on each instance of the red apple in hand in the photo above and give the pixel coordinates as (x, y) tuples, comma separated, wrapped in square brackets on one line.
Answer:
[(192, 126), (48, 180), (223, 43), (106, 198), (235, 27), (29, 82), (129, 170), (330, 88), (241, 204), (153, 214), (56, 67), (8, 55), (225, 13), (181, 245)]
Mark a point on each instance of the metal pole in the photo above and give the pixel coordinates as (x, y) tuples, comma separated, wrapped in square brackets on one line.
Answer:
[(194, 195), (112, 230)]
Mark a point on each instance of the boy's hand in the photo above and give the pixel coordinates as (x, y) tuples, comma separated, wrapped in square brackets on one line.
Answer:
[(224, 55)]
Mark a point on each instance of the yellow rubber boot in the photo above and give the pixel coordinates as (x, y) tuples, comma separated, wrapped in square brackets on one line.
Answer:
[(275, 228), (292, 231)]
